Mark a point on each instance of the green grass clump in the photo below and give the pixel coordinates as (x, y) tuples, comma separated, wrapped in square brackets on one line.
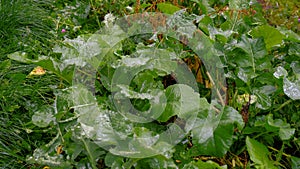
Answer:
[(24, 25)]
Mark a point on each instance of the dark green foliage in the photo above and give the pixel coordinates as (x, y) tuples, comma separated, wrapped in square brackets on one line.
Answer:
[(62, 120)]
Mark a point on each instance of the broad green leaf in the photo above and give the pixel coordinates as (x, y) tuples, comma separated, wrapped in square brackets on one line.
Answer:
[(157, 103), (80, 51), (46, 62), (255, 48), (182, 101), (18, 56), (283, 128), (264, 64), (145, 81), (263, 100), (135, 148), (271, 35), (296, 68), (158, 60), (95, 122), (214, 135), (167, 8), (203, 165), (295, 162), (46, 155), (44, 116), (290, 35), (294, 49), (41, 156), (259, 154), (157, 162), (184, 24), (42, 61), (204, 6), (246, 74), (113, 160)]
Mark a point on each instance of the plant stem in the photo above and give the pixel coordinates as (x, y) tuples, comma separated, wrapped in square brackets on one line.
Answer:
[(218, 93), (274, 149), (87, 148), (284, 104)]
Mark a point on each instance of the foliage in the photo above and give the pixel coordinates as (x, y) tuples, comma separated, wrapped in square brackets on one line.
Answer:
[(25, 26), (136, 95), (282, 13)]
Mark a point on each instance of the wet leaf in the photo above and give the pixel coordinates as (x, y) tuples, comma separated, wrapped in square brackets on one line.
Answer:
[(291, 89), (181, 101), (44, 116), (280, 72), (213, 135)]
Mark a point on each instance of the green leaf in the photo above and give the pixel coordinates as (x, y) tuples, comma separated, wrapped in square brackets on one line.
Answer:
[(284, 128), (255, 48), (263, 100), (294, 49), (238, 4), (290, 35), (280, 72), (146, 81), (246, 74), (157, 162), (291, 89), (214, 135), (46, 62), (295, 162), (259, 154), (44, 116), (296, 68), (203, 165), (204, 6), (113, 160), (271, 35), (167, 8), (46, 155), (182, 100), (18, 56)]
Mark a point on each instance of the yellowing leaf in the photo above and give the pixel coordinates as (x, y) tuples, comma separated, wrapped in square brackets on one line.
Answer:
[(59, 149), (37, 71)]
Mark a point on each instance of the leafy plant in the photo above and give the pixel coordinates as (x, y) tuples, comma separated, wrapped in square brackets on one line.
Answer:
[(143, 96)]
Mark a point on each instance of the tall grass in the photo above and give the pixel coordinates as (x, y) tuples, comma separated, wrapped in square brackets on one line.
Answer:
[(24, 25)]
